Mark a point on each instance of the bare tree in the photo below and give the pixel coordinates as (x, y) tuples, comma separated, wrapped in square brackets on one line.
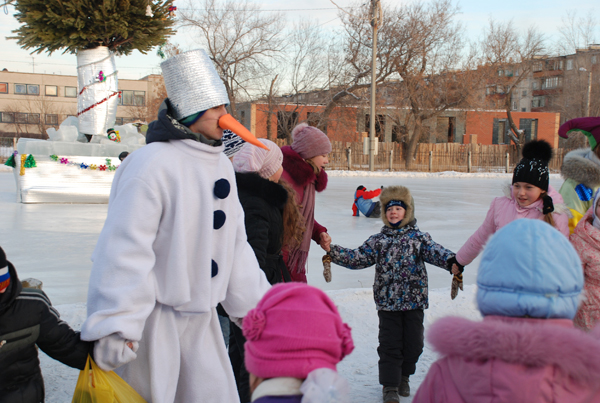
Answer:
[(436, 74), (505, 49), (304, 71), (575, 32), (239, 38)]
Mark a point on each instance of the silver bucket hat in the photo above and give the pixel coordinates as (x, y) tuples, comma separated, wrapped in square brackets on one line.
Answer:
[(193, 84)]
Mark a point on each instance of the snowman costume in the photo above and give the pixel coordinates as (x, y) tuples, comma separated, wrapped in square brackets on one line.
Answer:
[(173, 247)]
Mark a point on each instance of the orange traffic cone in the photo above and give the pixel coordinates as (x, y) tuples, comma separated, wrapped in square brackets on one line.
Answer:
[(228, 122)]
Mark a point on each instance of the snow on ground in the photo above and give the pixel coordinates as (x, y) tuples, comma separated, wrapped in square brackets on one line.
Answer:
[(54, 242)]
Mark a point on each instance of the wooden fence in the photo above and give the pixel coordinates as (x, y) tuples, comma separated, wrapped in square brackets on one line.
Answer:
[(432, 157), (428, 158)]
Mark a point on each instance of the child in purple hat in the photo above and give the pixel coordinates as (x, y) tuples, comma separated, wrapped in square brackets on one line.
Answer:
[(581, 168)]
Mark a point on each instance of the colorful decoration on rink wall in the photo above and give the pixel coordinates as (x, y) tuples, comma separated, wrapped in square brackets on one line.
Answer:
[(27, 161), (92, 167)]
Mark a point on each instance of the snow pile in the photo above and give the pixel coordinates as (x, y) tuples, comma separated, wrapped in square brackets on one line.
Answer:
[(360, 368), (411, 174)]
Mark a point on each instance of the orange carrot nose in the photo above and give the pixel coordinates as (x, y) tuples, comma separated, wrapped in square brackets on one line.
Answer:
[(228, 122)]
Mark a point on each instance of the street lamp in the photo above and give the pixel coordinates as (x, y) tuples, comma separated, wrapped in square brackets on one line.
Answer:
[(375, 16), (589, 92)]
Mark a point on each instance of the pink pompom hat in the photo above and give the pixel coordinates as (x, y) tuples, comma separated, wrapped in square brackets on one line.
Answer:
[(310, 141), (295, 329)]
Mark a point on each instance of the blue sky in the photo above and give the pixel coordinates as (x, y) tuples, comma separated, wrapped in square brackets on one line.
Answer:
[(545, 15)]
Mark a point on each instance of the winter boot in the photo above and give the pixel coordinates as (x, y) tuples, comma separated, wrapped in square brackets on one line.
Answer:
[(390, 394), (404, 389)]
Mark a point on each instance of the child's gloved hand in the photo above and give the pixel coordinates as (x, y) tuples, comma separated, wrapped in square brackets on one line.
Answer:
[(327, 268), (453, 266), (113, 351), (457, 282)]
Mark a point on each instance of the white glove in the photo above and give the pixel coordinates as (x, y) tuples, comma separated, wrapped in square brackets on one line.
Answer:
[(113, 351)]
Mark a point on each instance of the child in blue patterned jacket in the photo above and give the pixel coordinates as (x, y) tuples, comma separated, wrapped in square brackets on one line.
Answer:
[(399, 253)]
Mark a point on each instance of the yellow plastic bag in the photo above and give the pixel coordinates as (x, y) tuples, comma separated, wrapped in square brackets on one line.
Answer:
[(97, 386)]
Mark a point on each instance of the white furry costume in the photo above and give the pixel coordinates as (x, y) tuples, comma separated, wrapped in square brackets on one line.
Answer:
[(154, 282)]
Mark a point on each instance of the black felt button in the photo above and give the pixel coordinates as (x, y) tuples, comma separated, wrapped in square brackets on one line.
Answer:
[(219, 219), (215, 269), (222, 188)]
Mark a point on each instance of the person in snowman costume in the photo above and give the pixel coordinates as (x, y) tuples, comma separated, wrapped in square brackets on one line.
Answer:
[(173, 247)]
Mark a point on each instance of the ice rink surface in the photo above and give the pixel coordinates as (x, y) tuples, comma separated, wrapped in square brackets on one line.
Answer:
[(54, 242)]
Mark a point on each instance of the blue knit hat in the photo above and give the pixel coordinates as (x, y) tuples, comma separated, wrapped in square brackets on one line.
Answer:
[(528, 268)]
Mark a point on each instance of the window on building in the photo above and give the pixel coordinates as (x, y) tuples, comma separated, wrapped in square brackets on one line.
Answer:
[(524, 93), (71, 92), (119, 121), (127, 97), (537, 66), (33, 89), (7, 117), (33, 118), (514, 105), (499, 132), (550, 82), (243, 118), (3, 88), (534, 85), (286, 121), (538, 102), (523, 109), (500, 89), (500, 72), (21, 89), (20, 118), (569, 64), (594, 59), (52, 119), (490, 90), (529, 126), (139, 98), (51, 91)]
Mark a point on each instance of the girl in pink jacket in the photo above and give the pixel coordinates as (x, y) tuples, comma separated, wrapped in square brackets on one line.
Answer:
[(526, 349), (586, 240), (530, 196)]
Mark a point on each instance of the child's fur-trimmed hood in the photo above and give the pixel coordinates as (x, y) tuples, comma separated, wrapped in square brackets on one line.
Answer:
[(397, 193)]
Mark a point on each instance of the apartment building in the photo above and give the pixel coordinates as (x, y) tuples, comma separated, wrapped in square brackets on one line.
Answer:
[(569, 85), (31, 103)]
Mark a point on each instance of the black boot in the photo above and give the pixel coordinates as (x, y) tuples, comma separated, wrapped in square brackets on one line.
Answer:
[(390, 394), (404, 389)]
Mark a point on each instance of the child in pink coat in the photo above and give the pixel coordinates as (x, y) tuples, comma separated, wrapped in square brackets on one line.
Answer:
[(586, 240), (531, 196), (526, 349)]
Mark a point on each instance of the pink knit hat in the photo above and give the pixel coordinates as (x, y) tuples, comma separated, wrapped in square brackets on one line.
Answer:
[(253, 159), (294, 330), (310, 141)]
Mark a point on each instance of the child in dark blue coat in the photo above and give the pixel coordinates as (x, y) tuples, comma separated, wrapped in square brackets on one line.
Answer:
[(399, 253), (28, 321)]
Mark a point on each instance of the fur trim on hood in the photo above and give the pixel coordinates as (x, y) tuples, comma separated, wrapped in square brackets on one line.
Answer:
[(301, 171), (528, 342), (397, 193), (582, 166)]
